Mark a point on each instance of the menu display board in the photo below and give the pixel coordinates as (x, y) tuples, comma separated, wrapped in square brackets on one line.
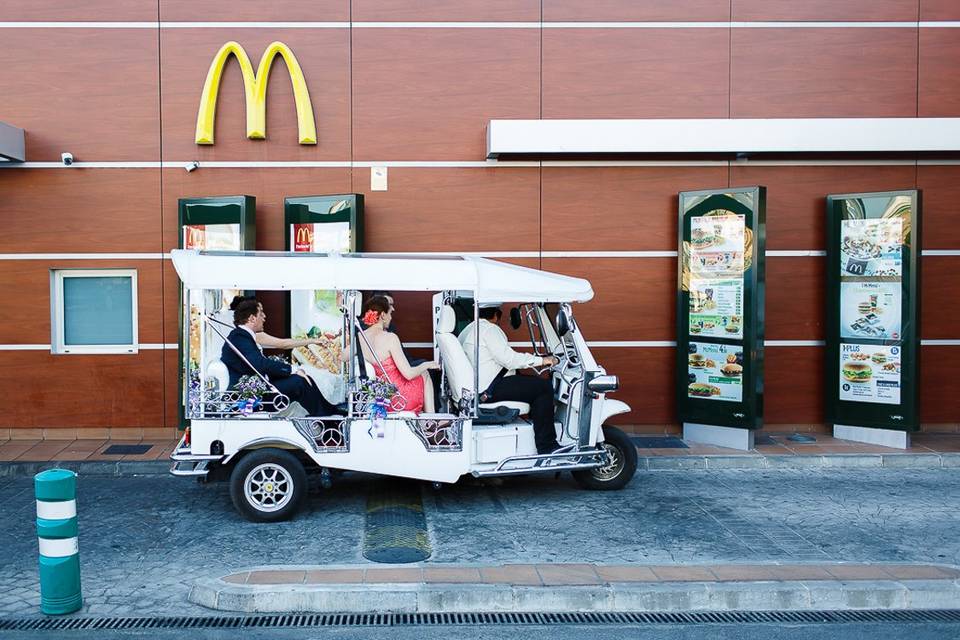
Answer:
[(720, 307), (209, 224), (322, 224), (873, 309)]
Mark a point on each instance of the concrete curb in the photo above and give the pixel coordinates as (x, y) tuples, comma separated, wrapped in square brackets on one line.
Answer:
[(93, 468), (645, 463), (627, 597)]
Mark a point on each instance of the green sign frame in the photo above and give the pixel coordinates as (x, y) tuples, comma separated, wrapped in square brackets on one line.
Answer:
[(317, 210), (240, 210), (873, 245), (720, 281)]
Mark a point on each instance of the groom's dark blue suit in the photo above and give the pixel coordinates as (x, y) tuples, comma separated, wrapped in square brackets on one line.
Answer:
[(280, 374)]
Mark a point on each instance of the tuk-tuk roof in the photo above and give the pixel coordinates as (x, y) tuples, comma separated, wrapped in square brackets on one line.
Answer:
[(489, 280)]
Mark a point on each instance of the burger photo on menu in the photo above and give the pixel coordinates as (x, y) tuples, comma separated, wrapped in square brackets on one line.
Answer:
[(702, 239), (697, 361), (703, 390), (731, 369), (857, 372)]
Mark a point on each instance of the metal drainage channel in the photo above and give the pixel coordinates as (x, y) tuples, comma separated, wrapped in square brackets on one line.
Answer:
[(472, 619)]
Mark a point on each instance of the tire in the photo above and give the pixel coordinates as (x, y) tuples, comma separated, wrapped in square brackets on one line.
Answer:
[(616, 475), (268, 485)]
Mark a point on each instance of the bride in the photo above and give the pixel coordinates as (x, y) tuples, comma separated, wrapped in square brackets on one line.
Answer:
[(413, 383)]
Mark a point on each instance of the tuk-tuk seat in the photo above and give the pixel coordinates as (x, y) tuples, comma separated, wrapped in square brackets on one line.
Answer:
[(216, 370), (458, 369)]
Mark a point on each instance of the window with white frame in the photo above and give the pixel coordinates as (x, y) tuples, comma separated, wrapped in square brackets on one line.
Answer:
[(94, 310)]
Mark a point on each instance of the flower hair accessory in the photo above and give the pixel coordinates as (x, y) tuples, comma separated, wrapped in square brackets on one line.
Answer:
[(371, 317)]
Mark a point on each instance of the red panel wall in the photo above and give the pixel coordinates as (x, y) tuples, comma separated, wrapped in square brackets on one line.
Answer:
[(423, 93)]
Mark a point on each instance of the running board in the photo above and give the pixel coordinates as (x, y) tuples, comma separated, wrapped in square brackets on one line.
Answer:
[(547, 463)]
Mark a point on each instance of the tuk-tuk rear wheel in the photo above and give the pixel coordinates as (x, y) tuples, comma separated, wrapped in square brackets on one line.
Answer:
[(622, 456), (268, 485)]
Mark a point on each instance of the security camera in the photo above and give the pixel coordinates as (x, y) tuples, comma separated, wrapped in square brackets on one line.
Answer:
[(66, 158), (191, 166)]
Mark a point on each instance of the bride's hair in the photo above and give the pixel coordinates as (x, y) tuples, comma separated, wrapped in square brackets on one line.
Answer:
[(376, 304)]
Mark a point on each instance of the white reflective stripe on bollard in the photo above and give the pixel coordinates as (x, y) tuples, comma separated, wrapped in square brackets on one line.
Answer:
[(58, 548), (60, 510)]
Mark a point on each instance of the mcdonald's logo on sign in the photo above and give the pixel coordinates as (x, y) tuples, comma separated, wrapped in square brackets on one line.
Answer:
[(303, 237), (255, 89)]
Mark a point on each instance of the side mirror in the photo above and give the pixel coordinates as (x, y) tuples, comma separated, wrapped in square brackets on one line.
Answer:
[(516, 321), (563, 325), (604, 384)]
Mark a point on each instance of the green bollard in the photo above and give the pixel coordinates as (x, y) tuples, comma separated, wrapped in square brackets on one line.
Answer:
[(56, 491)]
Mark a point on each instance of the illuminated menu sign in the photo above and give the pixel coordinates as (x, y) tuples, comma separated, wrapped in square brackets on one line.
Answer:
[(720, 307), (872, 309)]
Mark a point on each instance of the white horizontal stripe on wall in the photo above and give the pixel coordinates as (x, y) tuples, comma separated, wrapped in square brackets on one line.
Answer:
[(83, 256), (471, 164), (630, 344), (926, 24), (156, 346), (773, 253)]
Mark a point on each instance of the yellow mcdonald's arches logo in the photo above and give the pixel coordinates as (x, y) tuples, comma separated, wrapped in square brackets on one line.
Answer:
[(255, 89), (304, 235)]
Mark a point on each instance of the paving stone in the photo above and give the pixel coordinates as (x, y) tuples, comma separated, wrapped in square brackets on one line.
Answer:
[(451, 574), (684, 574), (391, 576), (511, 574), (626, 574), (334, 576), (568, 574), (275, 577)]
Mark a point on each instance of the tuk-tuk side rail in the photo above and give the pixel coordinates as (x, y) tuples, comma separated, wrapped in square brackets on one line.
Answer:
[(438, 434), (326, 435), (230, 404), (543, 463), (568, 414)]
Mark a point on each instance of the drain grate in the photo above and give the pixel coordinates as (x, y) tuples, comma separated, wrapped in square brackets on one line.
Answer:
[(127, 449), (473, 619)]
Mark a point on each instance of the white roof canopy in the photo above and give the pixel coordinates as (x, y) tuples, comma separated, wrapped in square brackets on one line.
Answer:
[(490, 281), (720, 135)]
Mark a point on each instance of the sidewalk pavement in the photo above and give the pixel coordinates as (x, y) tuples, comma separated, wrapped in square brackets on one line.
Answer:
[(548, 588), (927, 450)]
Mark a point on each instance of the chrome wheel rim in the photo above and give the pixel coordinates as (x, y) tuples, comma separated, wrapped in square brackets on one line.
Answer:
[(614, 465), (268, 487)]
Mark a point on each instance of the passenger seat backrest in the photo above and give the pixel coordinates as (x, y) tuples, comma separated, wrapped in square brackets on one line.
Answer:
[(218, 371), (455, 363)]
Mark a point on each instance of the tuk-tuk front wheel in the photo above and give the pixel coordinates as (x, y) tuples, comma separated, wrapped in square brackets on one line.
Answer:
[(268, 485), (620, 467)]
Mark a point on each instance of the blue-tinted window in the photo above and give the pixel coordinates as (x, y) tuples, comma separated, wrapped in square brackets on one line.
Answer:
[(98, 310)]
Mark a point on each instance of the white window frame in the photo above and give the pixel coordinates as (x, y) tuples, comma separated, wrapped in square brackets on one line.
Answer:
[(57, 315)]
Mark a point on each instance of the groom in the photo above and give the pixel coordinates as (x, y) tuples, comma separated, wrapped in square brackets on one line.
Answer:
[(249, 319)]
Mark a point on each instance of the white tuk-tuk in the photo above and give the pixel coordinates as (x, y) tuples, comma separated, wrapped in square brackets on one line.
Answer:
[(267, 453)]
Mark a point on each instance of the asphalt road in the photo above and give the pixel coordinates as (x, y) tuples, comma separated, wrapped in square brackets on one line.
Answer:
[(145, 540)]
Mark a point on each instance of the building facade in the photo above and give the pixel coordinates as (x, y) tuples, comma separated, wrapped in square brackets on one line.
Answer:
[(411, 86)]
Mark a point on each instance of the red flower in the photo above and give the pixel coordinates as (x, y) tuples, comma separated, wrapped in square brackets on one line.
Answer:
[(371, 317)]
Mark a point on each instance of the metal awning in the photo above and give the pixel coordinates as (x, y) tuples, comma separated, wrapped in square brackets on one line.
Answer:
[(723, 136), (11, 144)]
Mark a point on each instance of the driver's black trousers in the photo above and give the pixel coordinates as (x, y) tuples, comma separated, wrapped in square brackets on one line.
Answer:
[(538, 392)]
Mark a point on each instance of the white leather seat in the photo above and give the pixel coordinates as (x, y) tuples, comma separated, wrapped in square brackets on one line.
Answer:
[(216, 370), (457, 367)]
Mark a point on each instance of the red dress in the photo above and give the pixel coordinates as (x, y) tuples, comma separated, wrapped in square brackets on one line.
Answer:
[(411, 390)]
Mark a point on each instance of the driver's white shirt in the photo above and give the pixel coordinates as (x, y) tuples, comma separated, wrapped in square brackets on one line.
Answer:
[(495, 352)]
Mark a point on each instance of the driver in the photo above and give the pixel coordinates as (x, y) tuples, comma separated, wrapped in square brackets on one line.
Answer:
[(497, 374)]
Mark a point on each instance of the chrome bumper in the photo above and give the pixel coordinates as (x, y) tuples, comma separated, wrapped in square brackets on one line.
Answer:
[(188, 464)]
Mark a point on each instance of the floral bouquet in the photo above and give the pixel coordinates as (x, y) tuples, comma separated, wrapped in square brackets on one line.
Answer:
[(251, 390), (378, 388)]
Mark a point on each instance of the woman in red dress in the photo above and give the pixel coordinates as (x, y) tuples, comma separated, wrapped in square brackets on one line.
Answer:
[(413, 383)]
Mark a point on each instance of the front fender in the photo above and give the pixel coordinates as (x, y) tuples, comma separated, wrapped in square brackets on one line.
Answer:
[(612, 408)]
